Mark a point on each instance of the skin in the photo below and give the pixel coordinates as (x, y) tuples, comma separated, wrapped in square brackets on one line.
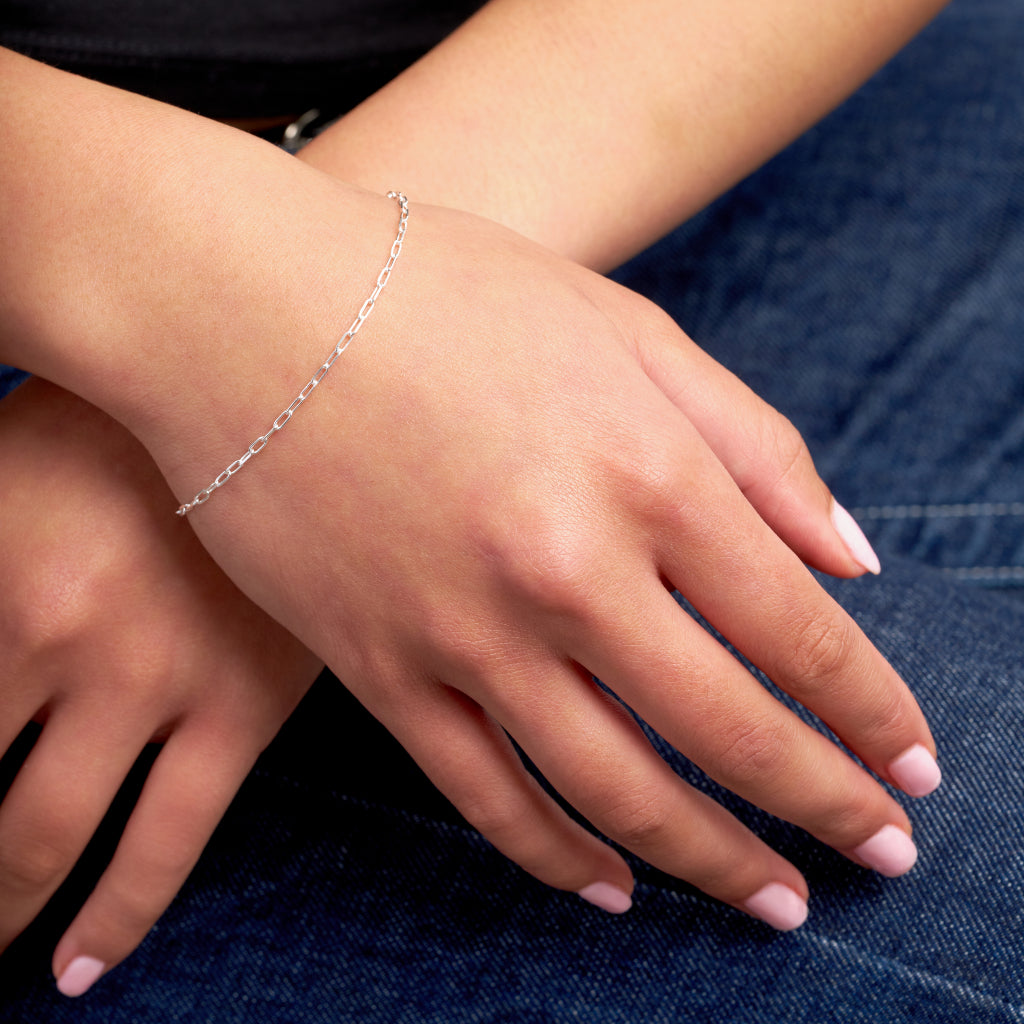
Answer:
[(597, 519), (626, 119), (118, 630)]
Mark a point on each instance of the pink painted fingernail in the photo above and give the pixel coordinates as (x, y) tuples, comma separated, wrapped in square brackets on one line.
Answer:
[(778, 905), (607, 896), (890, 851), (916, 772), (853, 537), (80, 975)]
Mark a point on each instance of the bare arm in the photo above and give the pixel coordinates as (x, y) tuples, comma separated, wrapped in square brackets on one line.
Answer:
[(139, 240), (464, 525), (594, 126)]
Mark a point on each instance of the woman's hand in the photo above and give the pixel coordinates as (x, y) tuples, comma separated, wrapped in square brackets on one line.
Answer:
[(117, 630), (484, 503), (489, 500)]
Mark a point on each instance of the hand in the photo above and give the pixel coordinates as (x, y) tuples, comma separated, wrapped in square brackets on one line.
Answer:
[(117, 630), (484, 503), (490, 502)]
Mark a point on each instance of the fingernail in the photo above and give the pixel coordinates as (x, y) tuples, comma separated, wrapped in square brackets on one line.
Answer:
[(778, 905), (607, 896), (853, 537), (916, 772), (80, 975), (890, 851)]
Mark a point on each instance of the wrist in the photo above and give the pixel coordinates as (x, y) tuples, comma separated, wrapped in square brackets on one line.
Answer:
[(284, 417)]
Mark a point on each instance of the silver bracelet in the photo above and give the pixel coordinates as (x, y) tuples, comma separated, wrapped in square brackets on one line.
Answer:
[(261, 442)]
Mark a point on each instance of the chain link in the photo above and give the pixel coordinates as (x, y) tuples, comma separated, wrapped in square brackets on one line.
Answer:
[(365, 310)]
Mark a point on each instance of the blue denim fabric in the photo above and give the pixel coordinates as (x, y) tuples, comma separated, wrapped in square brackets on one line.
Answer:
[(9, 378), (868, 282)]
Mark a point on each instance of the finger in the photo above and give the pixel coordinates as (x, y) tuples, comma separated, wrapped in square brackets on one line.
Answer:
[(687, 685), (186, 794), (751, 588), (595, 755), (471, 760), (712, 545), (762, 451), (59, 796)]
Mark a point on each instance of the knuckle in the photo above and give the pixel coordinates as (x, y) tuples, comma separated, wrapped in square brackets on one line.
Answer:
[(166, 862), (463, 646), (56, 624), (503, 823), (550, 565), (778, 458), (34, 862), (885, 720), (521, 833), (723, 874), (136, 889), (783, 444), (650, 321), (756, 754), (45, 612), (653, 477), (848, 817), (646, 466), (821, 651), (636, 818)]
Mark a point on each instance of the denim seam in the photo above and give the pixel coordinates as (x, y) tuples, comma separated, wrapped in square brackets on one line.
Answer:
[(962, 511), (804, 935), (987, 572)]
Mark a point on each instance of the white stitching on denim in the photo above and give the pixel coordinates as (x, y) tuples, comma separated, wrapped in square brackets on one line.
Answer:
[(974, 510), (977, 509), (987, 572)]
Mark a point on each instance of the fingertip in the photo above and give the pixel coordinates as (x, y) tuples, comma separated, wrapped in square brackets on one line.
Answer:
[(607, 896), (916, 771), (852, 536), (778, 905), (890, 852), (79, 975)]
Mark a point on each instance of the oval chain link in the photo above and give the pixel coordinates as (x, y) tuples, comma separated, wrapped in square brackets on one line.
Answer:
[(346, 339)]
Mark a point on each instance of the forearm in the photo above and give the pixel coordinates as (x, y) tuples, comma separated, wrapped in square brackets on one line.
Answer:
[(594, 126), (147, 251), (78, 182)]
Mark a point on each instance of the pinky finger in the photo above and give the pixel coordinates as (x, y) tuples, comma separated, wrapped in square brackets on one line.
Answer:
[(184, 798), (469, 757)]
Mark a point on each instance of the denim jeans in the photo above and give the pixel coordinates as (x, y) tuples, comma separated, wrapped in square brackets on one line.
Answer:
[(869, 283)]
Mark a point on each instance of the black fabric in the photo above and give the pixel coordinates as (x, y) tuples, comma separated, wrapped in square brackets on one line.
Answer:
[(229, 58)]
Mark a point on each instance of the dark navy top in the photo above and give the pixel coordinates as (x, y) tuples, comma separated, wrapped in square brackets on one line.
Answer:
[(234, 58)]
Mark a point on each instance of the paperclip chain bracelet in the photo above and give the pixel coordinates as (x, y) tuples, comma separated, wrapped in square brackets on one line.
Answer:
[(365, 310)]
